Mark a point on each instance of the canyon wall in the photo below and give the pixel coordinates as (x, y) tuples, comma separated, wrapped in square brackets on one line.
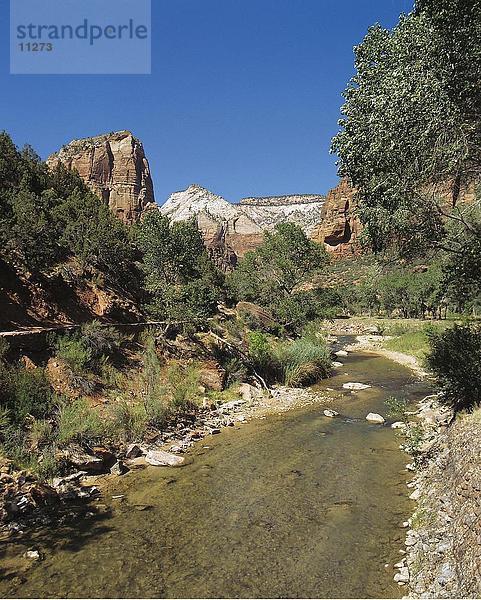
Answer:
[(339, 227), (115, 167)]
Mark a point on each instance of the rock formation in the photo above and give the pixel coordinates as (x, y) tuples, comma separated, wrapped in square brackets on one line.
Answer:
[(303, 209), (115, 167), (338, 227), (227, 231), (230, 230)]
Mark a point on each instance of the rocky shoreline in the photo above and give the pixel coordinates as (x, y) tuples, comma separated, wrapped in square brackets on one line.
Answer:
[(442, 554), (443, 542), (26, 503), (441, 558)]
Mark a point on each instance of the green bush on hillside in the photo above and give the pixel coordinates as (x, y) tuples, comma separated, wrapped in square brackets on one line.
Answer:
[(100, 339), (455, 358), (72, 351), (24, 392), (77, 422)]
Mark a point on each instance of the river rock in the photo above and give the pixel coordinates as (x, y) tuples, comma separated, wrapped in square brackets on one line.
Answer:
[(119, 468), (398, 425), (161, 458), (415, 495), (402, 576), (73, 477), (337, 365), (341, 353), (133, 451), (355, 386), (231, 405), (330, 413), (375, 418), (248, 392), (32, 555), (83, 461)]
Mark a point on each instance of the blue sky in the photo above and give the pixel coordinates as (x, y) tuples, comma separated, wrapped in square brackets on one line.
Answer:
[(243, 98)]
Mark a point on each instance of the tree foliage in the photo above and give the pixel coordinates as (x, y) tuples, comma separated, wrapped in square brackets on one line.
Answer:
[(455, 358), (48, 216), (182, 281), (274, 274), (411, 122)]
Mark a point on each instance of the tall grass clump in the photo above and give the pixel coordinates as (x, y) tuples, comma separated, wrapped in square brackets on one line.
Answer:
[(154, 393), (302, 361), (183, 383), (77, 422), (128, 420)]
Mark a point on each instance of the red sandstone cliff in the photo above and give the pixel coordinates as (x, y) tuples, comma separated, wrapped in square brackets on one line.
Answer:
[(115, 167), (339, 227)]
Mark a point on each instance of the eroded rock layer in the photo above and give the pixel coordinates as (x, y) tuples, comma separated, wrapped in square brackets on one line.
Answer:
[(115, 167), (338, 227), (303, 209)]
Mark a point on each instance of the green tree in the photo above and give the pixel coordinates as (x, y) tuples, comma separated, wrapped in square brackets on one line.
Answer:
[(182, 282), (455, 359), (407, 131), (89, 231), (273, 274)]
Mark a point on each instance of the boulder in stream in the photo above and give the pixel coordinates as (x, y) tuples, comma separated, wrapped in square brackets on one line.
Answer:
[(133, 451), (161, 458), (341, 353), (375, 418), (355, 386), (330, 413)]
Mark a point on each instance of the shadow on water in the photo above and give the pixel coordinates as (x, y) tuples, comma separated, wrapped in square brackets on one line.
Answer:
[(297, 505)]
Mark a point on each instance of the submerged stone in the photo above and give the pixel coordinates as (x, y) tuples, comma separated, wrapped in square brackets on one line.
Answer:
[(330, 413), (355, 386)]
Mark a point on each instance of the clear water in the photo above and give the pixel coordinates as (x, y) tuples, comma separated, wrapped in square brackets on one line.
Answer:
[(297, 505)]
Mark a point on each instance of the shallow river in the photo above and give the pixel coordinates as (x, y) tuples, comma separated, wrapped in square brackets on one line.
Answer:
[(296, 505)]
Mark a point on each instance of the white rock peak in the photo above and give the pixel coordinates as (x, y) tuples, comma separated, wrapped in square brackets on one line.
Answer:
[(265, 213), (196, 199)]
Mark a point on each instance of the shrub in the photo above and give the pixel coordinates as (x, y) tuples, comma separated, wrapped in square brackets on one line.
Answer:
[(100, 339), (455, 359), (395, 406), (46, 466), (41, 433), (76, 421), (129, 421), (73, 352), (24, 392), (303, 361), (109, 375), (184, 385), (235, 370), (260, 351), (3, 348), (157, 410)]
